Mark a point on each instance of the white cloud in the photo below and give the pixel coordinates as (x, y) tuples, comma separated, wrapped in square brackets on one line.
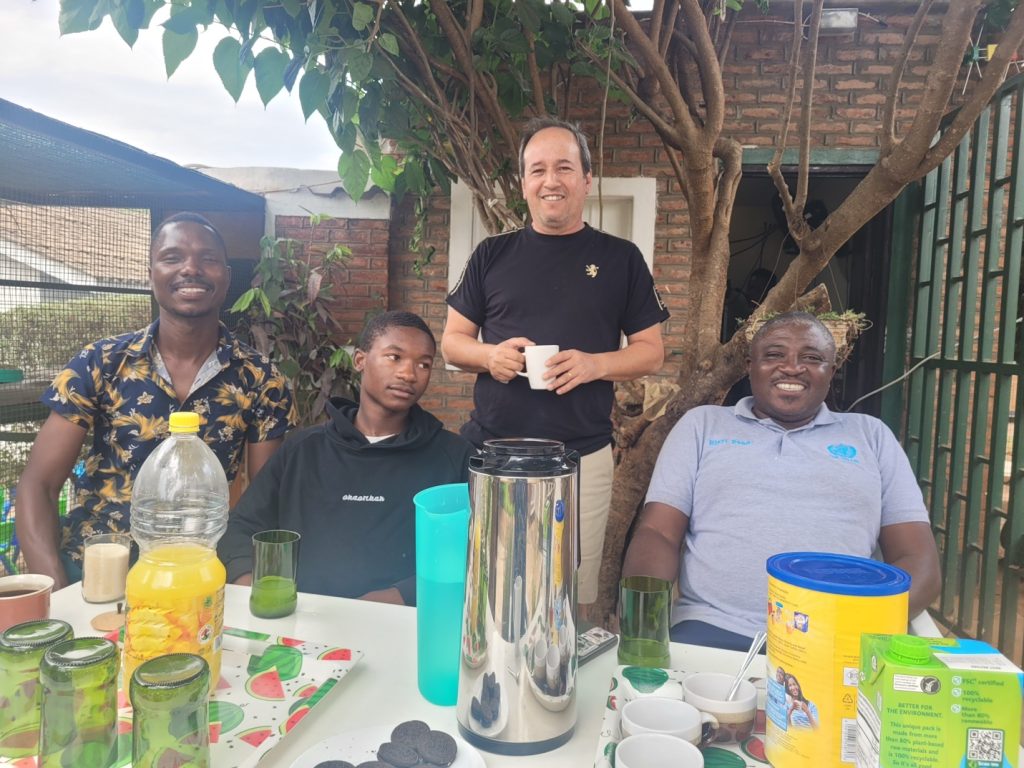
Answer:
[(94, 81)]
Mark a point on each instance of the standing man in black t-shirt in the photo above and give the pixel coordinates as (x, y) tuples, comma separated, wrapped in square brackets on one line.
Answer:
[(556, 281)]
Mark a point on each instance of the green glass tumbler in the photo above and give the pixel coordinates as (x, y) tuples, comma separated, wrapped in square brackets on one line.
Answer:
[(78, 728), (275, 561), (644, 607), (170, 720), (21, 651)]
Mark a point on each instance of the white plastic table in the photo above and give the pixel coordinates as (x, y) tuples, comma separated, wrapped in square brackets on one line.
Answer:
[(381, 689)]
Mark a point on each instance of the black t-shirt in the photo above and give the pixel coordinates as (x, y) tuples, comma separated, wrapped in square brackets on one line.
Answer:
[(579, 291)]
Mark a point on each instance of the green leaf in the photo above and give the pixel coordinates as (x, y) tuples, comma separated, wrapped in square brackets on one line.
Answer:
[(177, 48), (389, 43), (184, 20), (360, 63), (312, 91), (347, 138), (294, 7), (128, 19), (289, 368), (415, 181), (270, 66), (354, 170), (78, 16), (244, 301), (362, 16), (734, 5), (231, 66), (385, 173)]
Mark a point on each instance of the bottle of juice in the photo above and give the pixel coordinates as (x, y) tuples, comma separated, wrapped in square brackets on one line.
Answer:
[(175, 592)]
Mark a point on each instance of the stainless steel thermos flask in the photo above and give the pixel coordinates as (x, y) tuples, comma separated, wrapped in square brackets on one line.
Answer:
[(517, 678)]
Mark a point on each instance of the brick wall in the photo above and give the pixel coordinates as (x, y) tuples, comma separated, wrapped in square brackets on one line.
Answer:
[(851, 78), (362, 282)]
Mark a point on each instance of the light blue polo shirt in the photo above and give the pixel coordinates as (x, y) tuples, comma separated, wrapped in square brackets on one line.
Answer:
[(752, 489)]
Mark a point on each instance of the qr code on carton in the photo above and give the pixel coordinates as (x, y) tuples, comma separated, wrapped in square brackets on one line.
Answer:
[(985, 745)]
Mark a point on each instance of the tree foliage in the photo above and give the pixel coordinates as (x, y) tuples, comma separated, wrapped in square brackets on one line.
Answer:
[(287, 313)]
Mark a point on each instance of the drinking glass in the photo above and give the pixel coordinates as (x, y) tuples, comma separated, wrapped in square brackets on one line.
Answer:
[(442, 532), (21, 650), (275, 560), (170, 712), (79, 704), (643, 621), (105, 566)]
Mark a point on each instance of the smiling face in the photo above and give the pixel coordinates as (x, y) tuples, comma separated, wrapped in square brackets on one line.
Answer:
[(188, 270), (554, 183), (395, 369), (790, 367)]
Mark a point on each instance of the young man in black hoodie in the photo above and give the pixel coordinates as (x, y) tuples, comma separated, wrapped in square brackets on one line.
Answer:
[(347, 485)]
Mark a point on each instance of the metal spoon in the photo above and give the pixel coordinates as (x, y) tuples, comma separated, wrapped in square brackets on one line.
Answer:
[(755, 648)]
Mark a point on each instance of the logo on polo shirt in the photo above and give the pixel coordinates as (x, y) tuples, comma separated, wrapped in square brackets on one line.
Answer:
[(592, 270), (370, 497), (843, 452), (715, 441)]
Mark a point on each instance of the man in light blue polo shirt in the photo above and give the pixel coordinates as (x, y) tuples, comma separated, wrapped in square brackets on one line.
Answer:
[(779, 472)]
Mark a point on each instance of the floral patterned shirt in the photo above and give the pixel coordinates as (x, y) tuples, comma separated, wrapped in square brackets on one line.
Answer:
[(119, 390)]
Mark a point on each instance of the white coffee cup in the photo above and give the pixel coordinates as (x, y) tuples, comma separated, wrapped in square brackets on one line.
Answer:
[(707, 691), (657, 750), (671, 717), (536, 356)]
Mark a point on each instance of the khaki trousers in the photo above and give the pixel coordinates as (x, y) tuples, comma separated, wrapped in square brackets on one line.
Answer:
[(596, 470)]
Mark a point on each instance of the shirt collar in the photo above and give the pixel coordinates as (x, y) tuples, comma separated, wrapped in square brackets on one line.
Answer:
[(227, 344), (744, 409)]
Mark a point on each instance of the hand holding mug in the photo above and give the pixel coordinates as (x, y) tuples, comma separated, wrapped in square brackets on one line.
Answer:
[(505, 360), (570, 368)]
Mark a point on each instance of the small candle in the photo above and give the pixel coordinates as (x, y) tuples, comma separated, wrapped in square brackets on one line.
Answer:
[(104, 568)]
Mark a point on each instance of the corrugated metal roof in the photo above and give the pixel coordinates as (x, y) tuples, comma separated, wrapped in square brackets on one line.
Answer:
[(91, 241), (46, 162)]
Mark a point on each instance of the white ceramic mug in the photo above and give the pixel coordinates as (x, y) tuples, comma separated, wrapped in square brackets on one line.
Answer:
[(672, 717), (536, 356), (657, 750), (707, 691)]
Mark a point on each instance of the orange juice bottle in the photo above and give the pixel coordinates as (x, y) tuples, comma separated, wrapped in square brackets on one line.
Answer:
[(175, 592)]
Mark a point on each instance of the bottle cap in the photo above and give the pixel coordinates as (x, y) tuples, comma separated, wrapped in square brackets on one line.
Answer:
[(909, 649), (184, 421)]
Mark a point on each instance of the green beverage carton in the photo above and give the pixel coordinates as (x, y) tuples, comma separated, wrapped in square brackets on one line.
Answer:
[(936, 702)]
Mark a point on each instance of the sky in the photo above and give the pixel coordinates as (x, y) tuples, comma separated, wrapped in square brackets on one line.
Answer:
[(93, 80)]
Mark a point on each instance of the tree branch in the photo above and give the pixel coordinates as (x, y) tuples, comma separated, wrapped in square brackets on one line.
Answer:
[(889, 111), (957, 23), (810, 64), (688, 130), (775, 165), (660, 125), (707, 67), (981, 95)]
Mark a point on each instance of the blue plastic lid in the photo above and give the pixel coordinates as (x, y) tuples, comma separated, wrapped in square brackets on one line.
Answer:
[(838, 574)]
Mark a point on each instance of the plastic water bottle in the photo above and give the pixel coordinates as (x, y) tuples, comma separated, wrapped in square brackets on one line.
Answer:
[(175, 592)]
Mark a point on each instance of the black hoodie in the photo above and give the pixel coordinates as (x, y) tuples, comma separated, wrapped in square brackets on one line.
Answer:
[(351, 500)]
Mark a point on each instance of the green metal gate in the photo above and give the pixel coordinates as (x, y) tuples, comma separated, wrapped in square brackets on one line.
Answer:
[(964, 398)]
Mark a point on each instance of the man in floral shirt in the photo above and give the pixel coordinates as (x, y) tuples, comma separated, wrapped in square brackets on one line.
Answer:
[(123, 389)]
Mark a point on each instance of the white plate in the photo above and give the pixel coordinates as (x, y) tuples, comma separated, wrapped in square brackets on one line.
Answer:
[(360, 746)]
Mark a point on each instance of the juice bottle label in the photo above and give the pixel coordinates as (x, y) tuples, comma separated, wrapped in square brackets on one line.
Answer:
[(174, 624)]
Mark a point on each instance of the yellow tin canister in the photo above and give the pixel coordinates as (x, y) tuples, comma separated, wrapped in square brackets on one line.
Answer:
[(818, 606)]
